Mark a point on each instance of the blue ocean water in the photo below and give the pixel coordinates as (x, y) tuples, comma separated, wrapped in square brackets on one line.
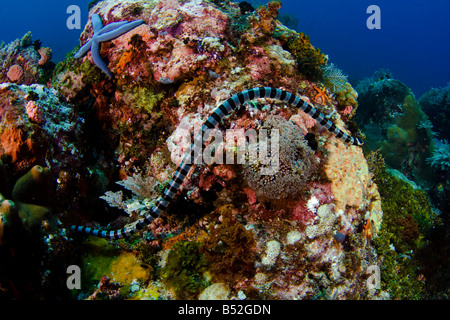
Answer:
[(412, 42)]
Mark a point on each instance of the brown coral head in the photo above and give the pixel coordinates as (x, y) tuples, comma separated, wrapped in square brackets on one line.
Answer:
[(274, 6), (297, 163), (33, 185)]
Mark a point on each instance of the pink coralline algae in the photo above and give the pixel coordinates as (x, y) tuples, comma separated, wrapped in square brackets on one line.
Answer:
[(259, 65), (15, 73), (304, 121), (187, 39), (34, 112), (302, 213), (347, 110), (184, 38)]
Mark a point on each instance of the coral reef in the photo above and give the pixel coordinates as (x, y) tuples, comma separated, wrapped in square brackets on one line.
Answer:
[(31, 197), (309, 59), (35, 126), (403, 239), (309, 232), (436, 104), (222, 237), (395, 123), (110, 266), (216, 291), (102, 34), (24, 61), (229, 248), (43, 170), (440, 157)]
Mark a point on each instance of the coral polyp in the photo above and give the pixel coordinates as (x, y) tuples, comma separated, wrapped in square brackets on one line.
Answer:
[(297, 163)]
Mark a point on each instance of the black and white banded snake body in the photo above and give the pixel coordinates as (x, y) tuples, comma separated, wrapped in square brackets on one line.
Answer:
[(212, 122)]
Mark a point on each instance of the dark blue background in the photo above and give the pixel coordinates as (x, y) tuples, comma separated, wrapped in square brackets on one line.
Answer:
[(413, 42)]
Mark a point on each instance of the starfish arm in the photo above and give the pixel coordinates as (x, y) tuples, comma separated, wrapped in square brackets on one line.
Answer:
[(111, 26), (95, 52), (119, 31), (83, 50), (97, 24)]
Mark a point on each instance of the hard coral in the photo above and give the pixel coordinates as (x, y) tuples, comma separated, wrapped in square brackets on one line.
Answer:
[(107, 290), (325, 223), (347, 96), (216, 291), (297, 163)]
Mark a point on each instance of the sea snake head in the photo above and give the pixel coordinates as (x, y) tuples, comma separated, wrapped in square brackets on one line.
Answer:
[(358, 142)]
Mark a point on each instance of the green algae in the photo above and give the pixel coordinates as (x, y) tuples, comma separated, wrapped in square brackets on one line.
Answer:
[(103, 259), (310, 60), (407, 217), (67, 63), (184, 270), (144, 98), (89, 71)]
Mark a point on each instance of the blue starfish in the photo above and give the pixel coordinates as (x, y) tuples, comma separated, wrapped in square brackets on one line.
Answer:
[(102, 34)]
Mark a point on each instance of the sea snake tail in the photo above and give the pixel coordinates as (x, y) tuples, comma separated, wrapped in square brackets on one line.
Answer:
[(189, 159)]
